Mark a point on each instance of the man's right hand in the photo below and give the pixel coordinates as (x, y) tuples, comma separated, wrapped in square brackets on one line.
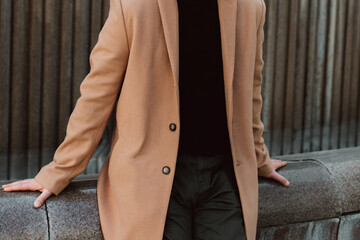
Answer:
[(31, 185)]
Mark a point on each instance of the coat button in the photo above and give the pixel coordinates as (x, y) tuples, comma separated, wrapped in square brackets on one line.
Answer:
[(166, 170), (172, 126)]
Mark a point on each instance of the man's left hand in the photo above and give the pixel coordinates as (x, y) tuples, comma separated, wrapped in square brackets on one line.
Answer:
[(274, 175)]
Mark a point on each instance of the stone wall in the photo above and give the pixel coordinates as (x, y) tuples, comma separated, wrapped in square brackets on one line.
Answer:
[(322, 202)]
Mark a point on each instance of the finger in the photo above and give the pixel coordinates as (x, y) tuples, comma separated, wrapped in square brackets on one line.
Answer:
[(17, 182), (42, 198), (280, 164), (18, 186), (276, 176), (11, 184)]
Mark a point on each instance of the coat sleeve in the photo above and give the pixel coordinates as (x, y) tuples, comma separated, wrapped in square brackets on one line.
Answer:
[(98, 93), (264, 163)]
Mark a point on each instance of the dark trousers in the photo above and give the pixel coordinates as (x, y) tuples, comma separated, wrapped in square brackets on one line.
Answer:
[(204, 202)]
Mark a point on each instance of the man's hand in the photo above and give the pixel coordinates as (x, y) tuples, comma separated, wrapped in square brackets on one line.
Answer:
[(274, 175), (29, 184)]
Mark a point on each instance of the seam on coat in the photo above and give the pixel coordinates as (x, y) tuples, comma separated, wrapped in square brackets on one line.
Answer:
[(126, 34), (258, 42), (262, 17)]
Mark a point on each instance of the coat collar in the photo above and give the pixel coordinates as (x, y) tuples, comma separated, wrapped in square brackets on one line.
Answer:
[(227, 17)]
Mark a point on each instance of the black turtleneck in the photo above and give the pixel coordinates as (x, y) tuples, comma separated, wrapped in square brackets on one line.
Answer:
[(203, 125)]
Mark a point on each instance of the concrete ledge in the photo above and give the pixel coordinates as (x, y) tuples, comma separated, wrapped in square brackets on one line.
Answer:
[(71, 215), (322, 202)]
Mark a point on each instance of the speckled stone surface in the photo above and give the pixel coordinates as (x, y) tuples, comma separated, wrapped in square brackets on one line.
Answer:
[(19, 219), (322, 202), (344, 166), (350, 226), (73, 214), (315, 230), (312, 195)]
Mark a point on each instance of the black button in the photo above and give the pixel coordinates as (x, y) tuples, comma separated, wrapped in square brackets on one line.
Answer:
[(172, 126), (166, 170)]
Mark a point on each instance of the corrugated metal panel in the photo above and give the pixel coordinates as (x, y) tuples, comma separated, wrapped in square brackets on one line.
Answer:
[(311, 75), (310, 89)]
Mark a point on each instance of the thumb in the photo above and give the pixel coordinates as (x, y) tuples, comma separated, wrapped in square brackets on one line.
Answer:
[(42, 198)]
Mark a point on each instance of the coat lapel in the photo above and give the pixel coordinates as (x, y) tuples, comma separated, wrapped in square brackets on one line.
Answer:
[(169, 17), (227, 17)]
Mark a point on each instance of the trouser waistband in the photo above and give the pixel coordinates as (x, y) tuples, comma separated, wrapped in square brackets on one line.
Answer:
[(204, 162)]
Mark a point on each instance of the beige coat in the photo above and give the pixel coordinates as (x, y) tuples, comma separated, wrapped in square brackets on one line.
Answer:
[(137, 55)]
